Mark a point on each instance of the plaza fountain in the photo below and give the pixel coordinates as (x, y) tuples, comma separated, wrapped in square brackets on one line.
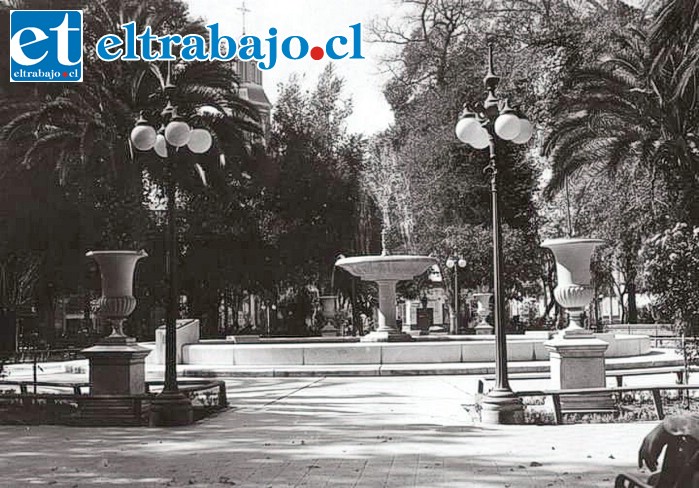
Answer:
[(386, 271), (386, 350)]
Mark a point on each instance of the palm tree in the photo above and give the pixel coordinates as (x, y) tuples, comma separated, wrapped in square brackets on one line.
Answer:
[(89, 123), (78, 133), (623, 115), (674, 42), (626, 115)]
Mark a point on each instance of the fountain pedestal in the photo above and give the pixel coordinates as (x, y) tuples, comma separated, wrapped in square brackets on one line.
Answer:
[(386, 271), (387, 330)]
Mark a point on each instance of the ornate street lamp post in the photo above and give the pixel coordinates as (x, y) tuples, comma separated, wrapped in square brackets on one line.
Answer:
[(480, 128), (455, 263), (171, 406)]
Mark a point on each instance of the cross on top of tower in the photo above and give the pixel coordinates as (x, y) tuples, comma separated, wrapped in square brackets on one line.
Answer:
[(243, 10)]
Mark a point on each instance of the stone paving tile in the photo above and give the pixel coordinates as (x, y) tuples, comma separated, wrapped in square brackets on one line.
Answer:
[(324, 432)]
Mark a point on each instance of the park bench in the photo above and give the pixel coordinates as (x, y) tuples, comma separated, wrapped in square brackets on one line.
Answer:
[(193, 386), (618, 374), (679, 468), (556, 395), (99, 410), (627, 480), (25, 385)]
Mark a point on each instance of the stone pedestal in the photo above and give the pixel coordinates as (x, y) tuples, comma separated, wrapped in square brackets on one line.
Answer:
[(329, 330), (577, 361), (117, 368), (483, 329)]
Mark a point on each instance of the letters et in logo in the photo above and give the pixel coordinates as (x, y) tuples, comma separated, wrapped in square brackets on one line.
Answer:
[(46, 45)]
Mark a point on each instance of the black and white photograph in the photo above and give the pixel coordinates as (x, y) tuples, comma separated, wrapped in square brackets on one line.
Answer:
[(349, 243)]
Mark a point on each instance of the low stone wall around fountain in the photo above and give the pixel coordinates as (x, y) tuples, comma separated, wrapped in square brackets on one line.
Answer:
[(519, 348), (658, 330)]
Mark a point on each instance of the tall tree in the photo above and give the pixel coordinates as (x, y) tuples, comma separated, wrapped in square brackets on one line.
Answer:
[(618, 115), (76, 135), (314, 209), (438, 65)]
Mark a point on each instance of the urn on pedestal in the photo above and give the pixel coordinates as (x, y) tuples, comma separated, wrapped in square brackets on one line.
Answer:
[(116, 361), (483, 299), (328, 305), (577, 356)]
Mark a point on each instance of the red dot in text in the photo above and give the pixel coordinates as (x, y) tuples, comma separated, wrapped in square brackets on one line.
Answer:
[(65, 75), (317, 53)]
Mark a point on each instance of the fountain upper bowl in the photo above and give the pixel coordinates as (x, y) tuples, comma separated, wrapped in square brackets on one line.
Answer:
[(386, 268)]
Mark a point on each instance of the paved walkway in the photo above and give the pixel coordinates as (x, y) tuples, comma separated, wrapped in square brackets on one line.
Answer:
[(326, 432)]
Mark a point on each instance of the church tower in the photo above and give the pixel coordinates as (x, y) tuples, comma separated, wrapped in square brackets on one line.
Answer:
[(250, 87)]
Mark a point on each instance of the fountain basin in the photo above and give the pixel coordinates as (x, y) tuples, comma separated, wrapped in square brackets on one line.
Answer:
[(386, 271), (475, 349), (386, 268)]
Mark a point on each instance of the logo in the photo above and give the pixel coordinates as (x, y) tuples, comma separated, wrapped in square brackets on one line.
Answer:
[(146, 46), (46, 45)]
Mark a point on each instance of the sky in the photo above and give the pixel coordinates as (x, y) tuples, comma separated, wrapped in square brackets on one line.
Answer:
[(317, 21)]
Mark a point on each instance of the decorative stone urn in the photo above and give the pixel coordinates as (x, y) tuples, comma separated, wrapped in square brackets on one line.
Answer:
[(574, 291), (329, 308), (117, 301), (483, 327), (116, 362), (577, 356)]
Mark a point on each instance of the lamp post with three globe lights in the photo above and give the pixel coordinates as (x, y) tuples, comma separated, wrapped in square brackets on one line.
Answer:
[(171, 406), (480, 128)]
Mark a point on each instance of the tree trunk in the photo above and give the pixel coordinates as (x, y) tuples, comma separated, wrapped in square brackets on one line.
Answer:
[(633, 309), (226, 318), (47, 312), (356, 314), (213, 316)]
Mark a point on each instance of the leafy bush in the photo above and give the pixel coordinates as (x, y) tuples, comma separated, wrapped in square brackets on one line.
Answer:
[(671, 274), (14, 411), (631, 407)]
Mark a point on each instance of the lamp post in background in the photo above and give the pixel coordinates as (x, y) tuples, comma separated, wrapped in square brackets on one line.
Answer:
[(455, 263), (266, 309), (171, 406), (480, 128)]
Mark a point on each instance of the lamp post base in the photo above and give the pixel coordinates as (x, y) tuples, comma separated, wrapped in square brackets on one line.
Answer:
[(453, 326), (169, 409), (501, 406)]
